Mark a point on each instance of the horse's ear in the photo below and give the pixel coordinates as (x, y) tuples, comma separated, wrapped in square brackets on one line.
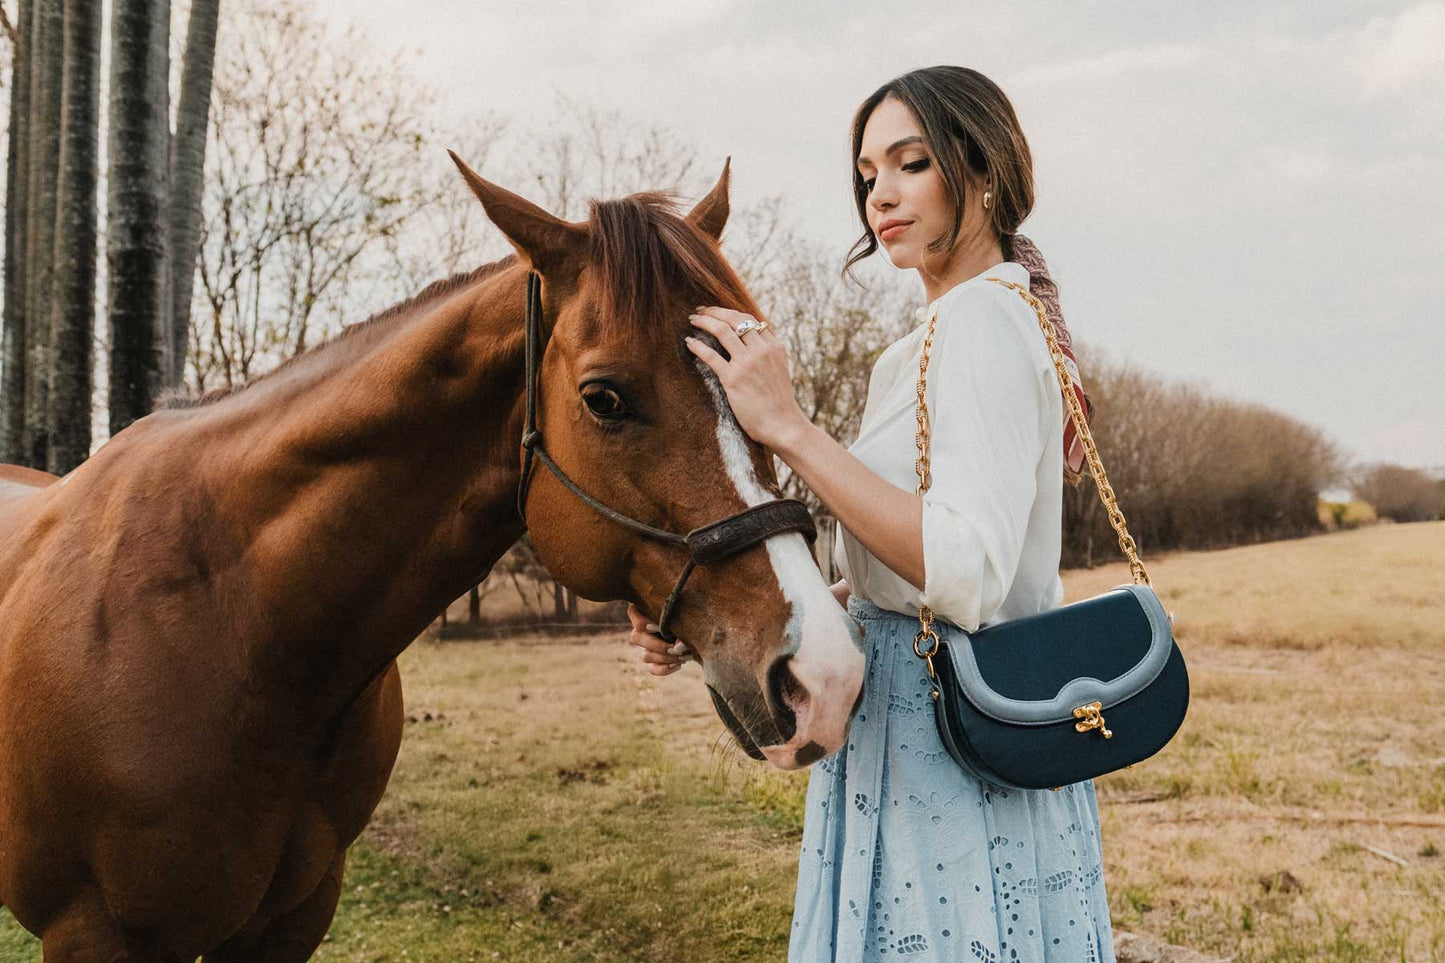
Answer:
[(543, 239), (711, 213)]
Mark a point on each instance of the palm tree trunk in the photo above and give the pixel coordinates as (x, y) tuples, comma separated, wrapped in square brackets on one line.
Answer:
[(137, 205), (72, 318), (187, 166), (17, 166), (47, 20)]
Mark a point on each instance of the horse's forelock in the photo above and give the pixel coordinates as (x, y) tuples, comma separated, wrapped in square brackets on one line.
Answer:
[(642, 251)]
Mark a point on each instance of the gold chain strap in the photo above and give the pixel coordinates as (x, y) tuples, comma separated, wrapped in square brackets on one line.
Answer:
[(925, 478), (926, 632)]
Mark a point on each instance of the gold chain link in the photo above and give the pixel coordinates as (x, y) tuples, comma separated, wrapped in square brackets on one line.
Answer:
[(923, 468)]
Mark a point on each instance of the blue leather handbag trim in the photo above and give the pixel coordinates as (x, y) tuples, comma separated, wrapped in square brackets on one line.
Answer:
[(1078, 691)]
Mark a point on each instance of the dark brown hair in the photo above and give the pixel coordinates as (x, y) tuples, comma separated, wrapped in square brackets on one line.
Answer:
[(968, 125)]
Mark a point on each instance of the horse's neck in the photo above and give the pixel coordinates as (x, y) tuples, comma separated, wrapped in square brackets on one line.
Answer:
[(391, 480)]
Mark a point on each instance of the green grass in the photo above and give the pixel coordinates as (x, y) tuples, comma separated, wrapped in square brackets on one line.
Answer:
[(16, 945)]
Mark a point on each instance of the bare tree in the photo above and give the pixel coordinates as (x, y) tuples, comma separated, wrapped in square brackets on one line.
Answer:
[(1191, 470), (318, 141), (588, 152), (474, 604), (450, 232), (1398, 493), (12, 352), (12, 33), (47, 20), (187, 167), (72, 318), (574, 154), (137, 207)]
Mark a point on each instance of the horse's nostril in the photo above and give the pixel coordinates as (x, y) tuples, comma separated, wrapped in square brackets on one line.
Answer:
[(793, 691), (786, 694)]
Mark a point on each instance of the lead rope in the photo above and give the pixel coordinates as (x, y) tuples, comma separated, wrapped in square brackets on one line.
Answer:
[(926, 631)]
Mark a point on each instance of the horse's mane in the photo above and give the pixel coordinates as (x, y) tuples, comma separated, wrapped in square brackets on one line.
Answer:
[(642, 250)]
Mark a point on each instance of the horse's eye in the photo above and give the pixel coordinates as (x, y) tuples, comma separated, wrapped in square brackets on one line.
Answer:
[(605, 403)]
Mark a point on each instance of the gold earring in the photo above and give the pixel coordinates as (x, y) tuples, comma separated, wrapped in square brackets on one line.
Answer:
[(987, 200)]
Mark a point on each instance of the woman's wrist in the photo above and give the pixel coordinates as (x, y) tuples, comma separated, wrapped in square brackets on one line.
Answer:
[(789, 442)]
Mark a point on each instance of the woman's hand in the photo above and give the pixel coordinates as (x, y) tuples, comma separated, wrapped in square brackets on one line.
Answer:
[(655, 651), (754, 375)]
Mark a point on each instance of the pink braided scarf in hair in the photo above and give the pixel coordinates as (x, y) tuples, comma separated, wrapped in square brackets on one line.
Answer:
[(1023, 251)]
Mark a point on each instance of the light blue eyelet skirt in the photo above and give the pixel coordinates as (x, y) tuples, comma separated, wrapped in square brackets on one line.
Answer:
[(905, 856)]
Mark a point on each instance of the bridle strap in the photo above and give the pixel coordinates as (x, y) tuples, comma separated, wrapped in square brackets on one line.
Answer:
[(602, 509), (533, 363), (728, 536), (709, 543), (737, 533)]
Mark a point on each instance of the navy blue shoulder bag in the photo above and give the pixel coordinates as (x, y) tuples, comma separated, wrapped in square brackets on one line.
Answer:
[(1064, 695)]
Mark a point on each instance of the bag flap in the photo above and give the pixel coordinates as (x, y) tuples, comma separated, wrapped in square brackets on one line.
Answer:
[(1036, 670)]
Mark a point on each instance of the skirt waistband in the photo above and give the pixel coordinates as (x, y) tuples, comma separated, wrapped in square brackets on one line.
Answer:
[(864, 609)]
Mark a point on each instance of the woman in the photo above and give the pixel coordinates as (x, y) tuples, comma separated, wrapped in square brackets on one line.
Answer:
[(904, 855)]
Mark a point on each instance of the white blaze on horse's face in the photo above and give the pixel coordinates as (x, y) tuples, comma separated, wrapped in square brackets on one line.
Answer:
[(826, 645)]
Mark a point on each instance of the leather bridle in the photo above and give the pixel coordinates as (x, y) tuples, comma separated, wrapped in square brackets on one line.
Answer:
[(710, 543)]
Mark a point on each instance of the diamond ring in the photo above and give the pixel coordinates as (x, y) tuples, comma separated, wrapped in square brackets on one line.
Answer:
[(749, 326)]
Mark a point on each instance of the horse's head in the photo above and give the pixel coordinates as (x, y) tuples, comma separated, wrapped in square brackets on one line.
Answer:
[(630, 415)]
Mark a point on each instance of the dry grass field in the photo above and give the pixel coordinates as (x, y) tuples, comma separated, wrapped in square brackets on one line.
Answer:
[(1314, 747), (555, 802)]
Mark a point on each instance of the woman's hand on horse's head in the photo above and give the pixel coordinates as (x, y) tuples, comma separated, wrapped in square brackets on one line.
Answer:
[(754, 375), (661, 659)]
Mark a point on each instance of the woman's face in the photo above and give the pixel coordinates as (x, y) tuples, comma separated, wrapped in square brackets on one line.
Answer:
[(908, 203)]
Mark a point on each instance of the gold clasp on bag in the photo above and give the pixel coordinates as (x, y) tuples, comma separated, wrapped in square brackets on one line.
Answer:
[(927, 631), (1090, 718)]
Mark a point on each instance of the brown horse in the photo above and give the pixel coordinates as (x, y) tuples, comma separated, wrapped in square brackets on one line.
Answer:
[(199, 699)]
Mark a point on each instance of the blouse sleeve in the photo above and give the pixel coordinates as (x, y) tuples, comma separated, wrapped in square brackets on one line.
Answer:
[(987, 438)]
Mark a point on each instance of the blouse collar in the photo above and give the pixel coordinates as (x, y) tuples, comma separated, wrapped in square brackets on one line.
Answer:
[(1006, 271)]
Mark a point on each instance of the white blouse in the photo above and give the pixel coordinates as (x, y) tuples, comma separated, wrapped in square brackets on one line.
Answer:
[(992, 520)]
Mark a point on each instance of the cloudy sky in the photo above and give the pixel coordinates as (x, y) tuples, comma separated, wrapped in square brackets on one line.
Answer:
[(1251, 195)]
